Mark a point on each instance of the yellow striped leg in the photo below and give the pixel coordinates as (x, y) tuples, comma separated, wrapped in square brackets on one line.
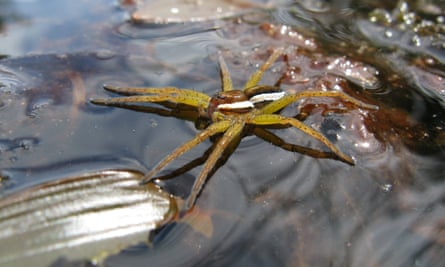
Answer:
[(256, 77), (231, 134), (226, 81), (155, 95), (213, 129), (274, 119), (278, 141), (287, 99)]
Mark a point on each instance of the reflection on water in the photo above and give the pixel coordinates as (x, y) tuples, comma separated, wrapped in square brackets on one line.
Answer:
[(265, 206)]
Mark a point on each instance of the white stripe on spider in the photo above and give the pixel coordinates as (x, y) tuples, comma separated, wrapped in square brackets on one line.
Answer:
[(266, 97)]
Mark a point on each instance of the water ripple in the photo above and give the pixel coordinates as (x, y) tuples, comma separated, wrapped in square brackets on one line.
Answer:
[(10, 81)]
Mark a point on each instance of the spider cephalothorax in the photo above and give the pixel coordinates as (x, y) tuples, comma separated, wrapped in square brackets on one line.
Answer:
[(230, 111), (234, 101)]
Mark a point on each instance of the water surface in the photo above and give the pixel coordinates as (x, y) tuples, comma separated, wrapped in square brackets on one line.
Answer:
[(266, 206)]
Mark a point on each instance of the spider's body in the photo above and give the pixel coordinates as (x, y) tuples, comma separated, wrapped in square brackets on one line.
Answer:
[(234, 101), (230, 111)]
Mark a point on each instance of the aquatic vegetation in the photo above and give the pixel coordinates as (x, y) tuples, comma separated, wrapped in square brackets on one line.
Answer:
[(412, 38), (233, 113), (174, 11), (407, 29), (405, 19), (307, 55), (88, 216)]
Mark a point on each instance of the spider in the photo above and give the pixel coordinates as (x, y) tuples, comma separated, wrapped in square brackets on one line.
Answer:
[(231, 113)]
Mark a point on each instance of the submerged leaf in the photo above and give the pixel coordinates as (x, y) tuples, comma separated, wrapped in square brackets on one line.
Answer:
[(80, 217), (174, 11)]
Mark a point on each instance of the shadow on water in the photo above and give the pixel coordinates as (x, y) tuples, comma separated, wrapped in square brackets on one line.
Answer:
[(265, 206)]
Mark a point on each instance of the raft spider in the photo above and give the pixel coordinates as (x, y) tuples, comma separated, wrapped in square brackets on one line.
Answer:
[(230, 111)]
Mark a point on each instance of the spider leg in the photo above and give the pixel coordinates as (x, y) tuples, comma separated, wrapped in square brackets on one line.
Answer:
[(275, 119), (155, 95), (213, 129), (261, 89), (287, 99), (256, 77), (152, 90), (277, 141), (226, 81), (231, 134), (186, 167)]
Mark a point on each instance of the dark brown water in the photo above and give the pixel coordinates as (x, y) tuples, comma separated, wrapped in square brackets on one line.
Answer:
[(267, 206)]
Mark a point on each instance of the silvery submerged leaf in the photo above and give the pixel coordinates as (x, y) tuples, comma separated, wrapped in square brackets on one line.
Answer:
[(81, 217), (179, 11)]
